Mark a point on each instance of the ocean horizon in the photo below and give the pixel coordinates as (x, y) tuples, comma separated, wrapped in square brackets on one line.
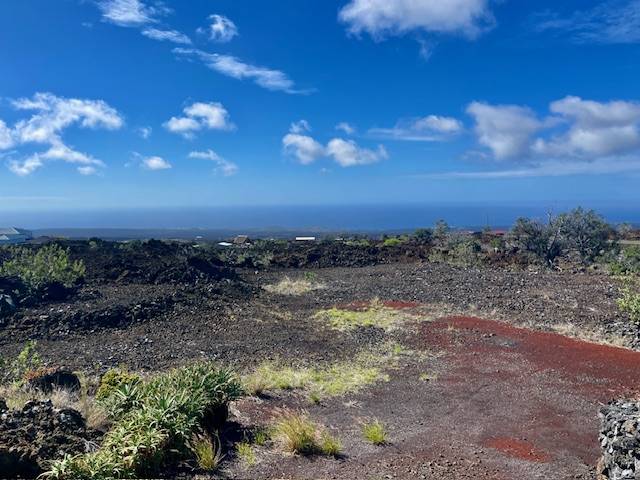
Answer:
[(356, 218)]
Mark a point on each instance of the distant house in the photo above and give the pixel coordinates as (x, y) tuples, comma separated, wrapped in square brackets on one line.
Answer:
[(241, 240), (14, 236), (305, 239)]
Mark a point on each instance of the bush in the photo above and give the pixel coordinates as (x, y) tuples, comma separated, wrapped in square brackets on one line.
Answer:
[(423, 235), (630, 303), (627, 262), (155, 422), (113, 380), (541, 240), (441, 233), (208, 452), (392, 242), (14, 371), (585, 232), (47, 265)]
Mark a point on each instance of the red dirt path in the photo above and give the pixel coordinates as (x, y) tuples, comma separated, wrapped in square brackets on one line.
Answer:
[(528, 398)]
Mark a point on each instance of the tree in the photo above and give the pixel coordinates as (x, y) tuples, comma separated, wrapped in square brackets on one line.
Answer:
[(423, 235), (586, 232), (543, 240), (441, 232)]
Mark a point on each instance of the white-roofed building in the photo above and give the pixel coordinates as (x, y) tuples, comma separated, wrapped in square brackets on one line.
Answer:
[(14, 236)]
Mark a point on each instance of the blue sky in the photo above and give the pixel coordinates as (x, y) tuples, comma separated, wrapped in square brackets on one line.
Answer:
[(137, 103)]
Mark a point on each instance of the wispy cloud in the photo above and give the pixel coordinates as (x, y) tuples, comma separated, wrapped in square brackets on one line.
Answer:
[(166, 36), (130, 13), (233, 67), (223, 166), (221, 29), (610, 22), (548, 168), (431, 128)]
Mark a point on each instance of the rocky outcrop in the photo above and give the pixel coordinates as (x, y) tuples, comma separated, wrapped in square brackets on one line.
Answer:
[(38, 433), (620, 441)]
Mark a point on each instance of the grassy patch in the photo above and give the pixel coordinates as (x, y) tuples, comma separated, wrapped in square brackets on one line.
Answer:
[(298, 434), (288, 286), (154, 424), (374, 432), (327, 381), (207, 452), (630, 302), (246, 453), (376, 314)]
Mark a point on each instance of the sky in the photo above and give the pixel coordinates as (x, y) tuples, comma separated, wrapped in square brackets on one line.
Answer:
[(140, 103)]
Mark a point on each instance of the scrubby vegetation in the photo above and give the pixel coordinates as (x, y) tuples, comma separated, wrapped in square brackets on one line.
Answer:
[(43, 266), (630, 301), (627, 262), (155, 422), (298, 434), (114, 380)]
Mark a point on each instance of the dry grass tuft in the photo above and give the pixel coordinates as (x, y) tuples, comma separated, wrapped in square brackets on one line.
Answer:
[(298, 434), (288, 286)]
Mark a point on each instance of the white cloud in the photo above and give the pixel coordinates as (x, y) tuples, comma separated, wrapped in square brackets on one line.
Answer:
[(88, 170), (345, 153), (609, 22), (432, 128), (505, 129), (198, 116), (145, 132), (221, 29), (224, 167), (348, 154), (235, 68), (129, 13), (166, 35), (6, 137), (304, 148), (381, 18), (300, 126), (346, 128), (596, 129), (52, 116), (155, 163)]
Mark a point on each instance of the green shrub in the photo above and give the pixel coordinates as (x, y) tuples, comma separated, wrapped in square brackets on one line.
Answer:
[(630, 302), (112, 380), (15, 370), (154, 422), (585, 232), (48, 264), (627, 262), (374, 432), (392, 242)]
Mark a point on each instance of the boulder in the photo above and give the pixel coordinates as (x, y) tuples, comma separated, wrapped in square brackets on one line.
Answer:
[(47, 380), (32, 437), (620, 441)]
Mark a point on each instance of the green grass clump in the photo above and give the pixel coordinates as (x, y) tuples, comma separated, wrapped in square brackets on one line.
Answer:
[(112, 380), (374, 315), (207, 452), (154, 423), (374, 432), (298, 434), (393, 242), (246, 453), (48, 264)]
